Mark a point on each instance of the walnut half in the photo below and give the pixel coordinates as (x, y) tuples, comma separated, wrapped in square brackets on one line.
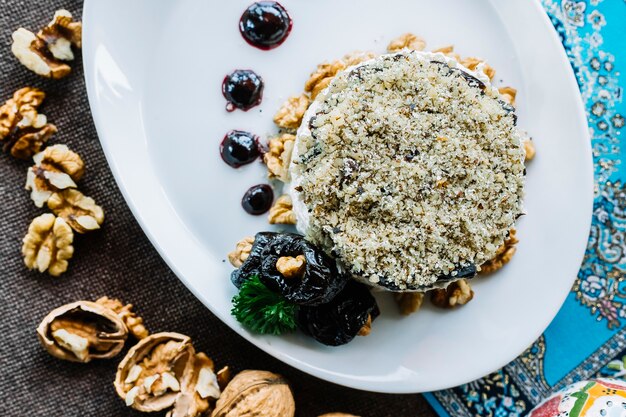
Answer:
[(408, 302), (290, 114), (48, 244), (80, 212), (278, 157), (55, 169), (282, 211), (241, 252), (45, 52), (456, 294), (406, 41), (23, 130)]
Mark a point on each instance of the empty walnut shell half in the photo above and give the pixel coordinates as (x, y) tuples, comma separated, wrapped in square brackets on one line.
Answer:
[(252, 391), (82, 331), (149, 378)]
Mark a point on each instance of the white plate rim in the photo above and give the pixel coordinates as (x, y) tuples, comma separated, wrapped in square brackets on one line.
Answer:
[(147, 223)]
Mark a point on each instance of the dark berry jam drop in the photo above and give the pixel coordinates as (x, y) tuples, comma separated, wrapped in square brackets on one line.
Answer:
[(265, 24), (243, 89), (258, 199), (239, 148)]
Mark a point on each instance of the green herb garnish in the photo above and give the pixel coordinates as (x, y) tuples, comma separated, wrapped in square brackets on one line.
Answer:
[(262, 310)]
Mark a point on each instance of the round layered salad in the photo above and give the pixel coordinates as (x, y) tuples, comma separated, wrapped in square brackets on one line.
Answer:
[(409, 170)]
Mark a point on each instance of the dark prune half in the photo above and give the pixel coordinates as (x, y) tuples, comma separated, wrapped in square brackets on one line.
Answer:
[(321, 280), (466, 271), (252, 265), (339, 321)]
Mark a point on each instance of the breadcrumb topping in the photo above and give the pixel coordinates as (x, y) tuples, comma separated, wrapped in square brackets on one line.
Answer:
[(407, 168)]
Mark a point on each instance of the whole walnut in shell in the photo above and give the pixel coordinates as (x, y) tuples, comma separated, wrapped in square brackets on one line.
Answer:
[(82, 331), (256, 393)]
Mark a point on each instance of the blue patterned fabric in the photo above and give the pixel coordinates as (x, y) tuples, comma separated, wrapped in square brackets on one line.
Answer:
[(588, 336)]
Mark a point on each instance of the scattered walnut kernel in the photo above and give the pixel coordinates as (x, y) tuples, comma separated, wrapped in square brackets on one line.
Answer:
[(199, 387), (289, 116), (282, 211), (79, 211), (252, 391), (503, 255), (472, 63), (278, 157), (456, 294), (367, 327), (408, 302), (133, 322), (291, 267), (529, 147), (448, 51), (22, 129), (48, 244), (56, 168), (82, 331), (45, 52), (508, 94), (326, 71), (408, 41), (61, 34), (241, 252)]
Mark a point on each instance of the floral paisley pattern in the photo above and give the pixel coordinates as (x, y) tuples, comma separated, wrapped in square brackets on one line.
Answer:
[(600, 288)]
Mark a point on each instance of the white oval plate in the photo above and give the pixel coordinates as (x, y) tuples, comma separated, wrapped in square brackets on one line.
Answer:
[(154, 70)]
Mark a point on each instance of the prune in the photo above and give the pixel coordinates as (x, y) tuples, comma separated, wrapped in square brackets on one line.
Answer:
[(467, 271), (339, 321), (321, 280), (252, 265)]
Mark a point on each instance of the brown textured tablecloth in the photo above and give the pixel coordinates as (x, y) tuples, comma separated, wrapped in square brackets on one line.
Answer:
[(117, 261)]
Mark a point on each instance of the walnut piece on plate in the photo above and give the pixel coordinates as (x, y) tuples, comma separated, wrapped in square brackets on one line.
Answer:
[(456, 294), (45, 52), (408, 41), (529, 147), (125, 312), (82, 331), (23, 130), (55, 169), (282, 211), (408, 302), (48, 245), (503, 255), (290, 114), (252, 391), (508, 94), (278, 157), (241, 252), (79, 211), (325, 72)]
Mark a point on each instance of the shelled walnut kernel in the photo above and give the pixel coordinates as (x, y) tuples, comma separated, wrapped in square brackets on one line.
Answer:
[(48, 245)]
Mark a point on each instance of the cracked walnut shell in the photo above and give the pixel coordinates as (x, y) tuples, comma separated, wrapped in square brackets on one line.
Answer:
[(125, 312), (249, 392), (48, 244), (199, 388), (82, 331), (278, 157), (456, 294), (150, 375), (22, 129), (282, 211), (503, 255), (56, 168), (80, 212), (45, 52), (290, 114)]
